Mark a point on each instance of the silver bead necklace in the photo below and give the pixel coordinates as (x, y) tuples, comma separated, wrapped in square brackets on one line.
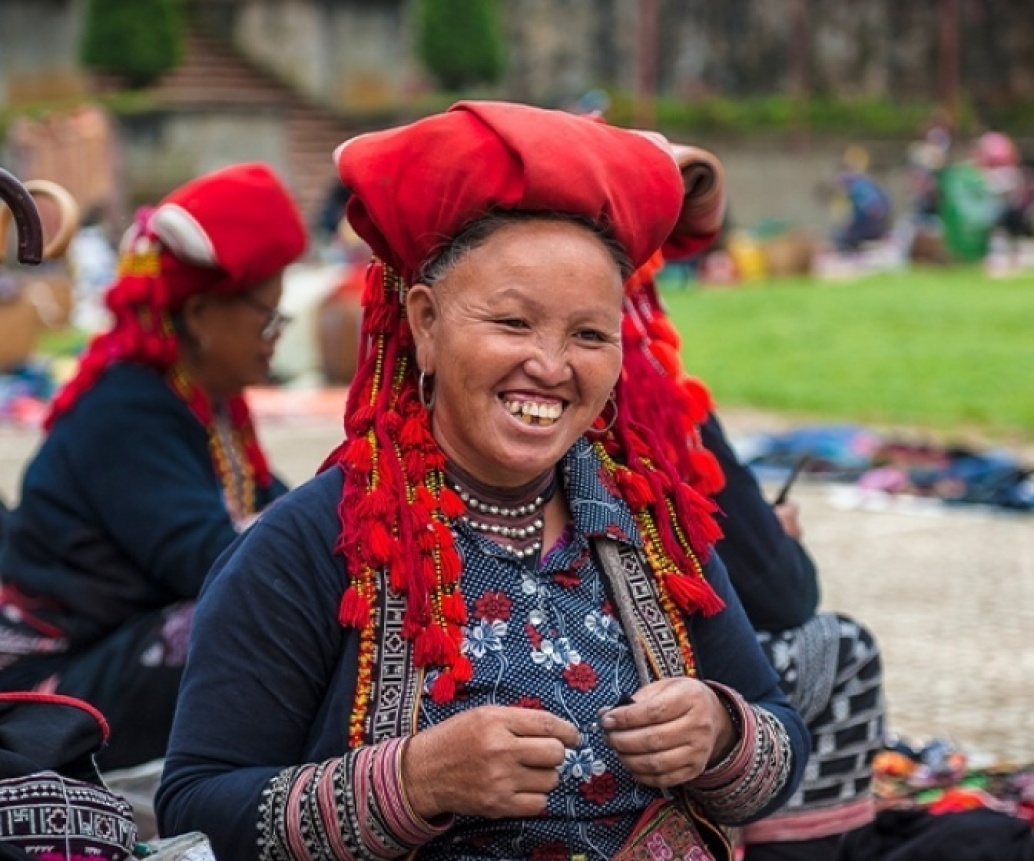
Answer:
[(511, 517)]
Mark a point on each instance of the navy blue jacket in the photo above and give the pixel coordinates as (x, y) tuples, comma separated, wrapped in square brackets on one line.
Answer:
[(772, 573), (121, 511), (271, 673)]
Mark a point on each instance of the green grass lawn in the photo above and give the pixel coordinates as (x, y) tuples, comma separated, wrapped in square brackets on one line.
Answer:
[(945, 350)]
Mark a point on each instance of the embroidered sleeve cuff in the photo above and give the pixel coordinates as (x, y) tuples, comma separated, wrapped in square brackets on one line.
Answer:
[(754, 771), (349, 808), (406, 823)]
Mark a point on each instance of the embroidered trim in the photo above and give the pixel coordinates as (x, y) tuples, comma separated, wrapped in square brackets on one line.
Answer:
[(342, 809), (754, 772)]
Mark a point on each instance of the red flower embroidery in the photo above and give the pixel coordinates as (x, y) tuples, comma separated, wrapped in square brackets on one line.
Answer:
[(549, 852), (581, 677), (607, 480), (600, 788), (607, 608), (532, 633), (528, 703), (567, 579), (493, 606)]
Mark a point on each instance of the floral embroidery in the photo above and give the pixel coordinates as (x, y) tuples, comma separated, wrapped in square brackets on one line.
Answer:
[(550, 852), (530, 584), (493, 606), (557, 652), (567, 579), (528, 703), (581, 677), (600, 788), (484, 637), (582, 764), (602, 626)]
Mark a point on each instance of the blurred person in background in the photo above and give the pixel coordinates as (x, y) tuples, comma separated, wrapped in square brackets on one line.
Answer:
[(863, 203), (150, 466), (828, 663)]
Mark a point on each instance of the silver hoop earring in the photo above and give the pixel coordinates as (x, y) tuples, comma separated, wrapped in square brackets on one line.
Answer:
[(613, 404), (426, 400)]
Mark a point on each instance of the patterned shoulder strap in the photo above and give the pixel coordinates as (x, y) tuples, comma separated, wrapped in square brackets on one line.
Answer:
[(654, 643)]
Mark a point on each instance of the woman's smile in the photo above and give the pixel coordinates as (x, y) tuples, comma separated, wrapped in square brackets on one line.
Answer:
[(538, 412)]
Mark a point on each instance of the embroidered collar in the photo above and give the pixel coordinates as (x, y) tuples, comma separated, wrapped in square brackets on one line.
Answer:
[(597, 511)]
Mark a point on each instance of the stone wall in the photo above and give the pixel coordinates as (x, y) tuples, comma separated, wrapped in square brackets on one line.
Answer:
[(357, 53), (39, 49)]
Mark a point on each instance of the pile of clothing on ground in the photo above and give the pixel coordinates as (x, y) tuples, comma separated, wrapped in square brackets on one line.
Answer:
[(878, 465), (934, 803), (25, 391)]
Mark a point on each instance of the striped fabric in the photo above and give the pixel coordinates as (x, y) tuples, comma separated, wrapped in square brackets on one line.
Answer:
[(830, 668)]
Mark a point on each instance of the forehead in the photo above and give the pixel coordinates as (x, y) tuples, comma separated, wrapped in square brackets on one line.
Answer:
[(536, 251)]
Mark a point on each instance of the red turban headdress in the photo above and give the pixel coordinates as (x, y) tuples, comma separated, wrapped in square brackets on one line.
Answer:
[(224, 232), (414, 189)]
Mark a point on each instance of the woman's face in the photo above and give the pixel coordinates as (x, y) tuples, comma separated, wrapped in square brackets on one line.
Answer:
[(233, 338), (523, 338)]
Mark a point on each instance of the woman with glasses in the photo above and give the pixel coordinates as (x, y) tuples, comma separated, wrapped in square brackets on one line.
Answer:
[(150, 466)]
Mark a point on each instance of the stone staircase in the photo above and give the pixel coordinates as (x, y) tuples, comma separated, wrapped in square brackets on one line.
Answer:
[(214, 76)]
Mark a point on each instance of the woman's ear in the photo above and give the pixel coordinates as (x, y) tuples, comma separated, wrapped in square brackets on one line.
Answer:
[(194, 317), (422, 313)]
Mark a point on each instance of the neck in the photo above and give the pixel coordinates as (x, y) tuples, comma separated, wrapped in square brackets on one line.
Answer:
[(512, 517), (196, 371)]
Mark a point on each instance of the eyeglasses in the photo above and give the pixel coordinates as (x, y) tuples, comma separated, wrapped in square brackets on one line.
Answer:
[(276, 322)]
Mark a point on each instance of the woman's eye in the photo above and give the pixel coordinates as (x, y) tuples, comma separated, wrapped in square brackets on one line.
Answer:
[(592, 335), (513, 323)]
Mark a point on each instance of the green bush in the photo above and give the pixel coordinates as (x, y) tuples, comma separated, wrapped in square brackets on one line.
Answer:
[(138, 40), (775, 113), (460, 42)]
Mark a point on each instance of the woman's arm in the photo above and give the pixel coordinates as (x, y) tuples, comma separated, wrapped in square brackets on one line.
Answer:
[(771, 571), (145, 471), (763, 769), (257, 759)]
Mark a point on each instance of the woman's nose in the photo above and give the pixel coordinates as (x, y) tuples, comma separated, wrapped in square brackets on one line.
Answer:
[(549, 363)]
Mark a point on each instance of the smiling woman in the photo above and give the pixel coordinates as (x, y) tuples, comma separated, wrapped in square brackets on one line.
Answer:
[(492, 626), (150, 467)]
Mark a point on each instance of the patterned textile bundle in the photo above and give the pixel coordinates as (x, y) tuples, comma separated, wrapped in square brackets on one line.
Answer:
[(53, 803)]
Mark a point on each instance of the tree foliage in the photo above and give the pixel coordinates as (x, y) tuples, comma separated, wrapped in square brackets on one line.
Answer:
[(138, 40), (460, 42)]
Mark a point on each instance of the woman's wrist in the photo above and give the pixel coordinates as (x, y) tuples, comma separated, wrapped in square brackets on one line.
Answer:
[(730, 729), (414, 784)]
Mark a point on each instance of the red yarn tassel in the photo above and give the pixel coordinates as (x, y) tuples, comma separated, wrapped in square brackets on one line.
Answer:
[(693, 594), (451, 565), (635, 489), (432, 647), (378, 544), (454, 608), (443, 690), (354, 609), (359, 455), (452, 505), (667, 357), (699, 397), (462, 669), (707, 472)]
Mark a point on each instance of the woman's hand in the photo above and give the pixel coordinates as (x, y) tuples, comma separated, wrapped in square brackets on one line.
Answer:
[(672, 731), (491, 761), (789, 516)]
